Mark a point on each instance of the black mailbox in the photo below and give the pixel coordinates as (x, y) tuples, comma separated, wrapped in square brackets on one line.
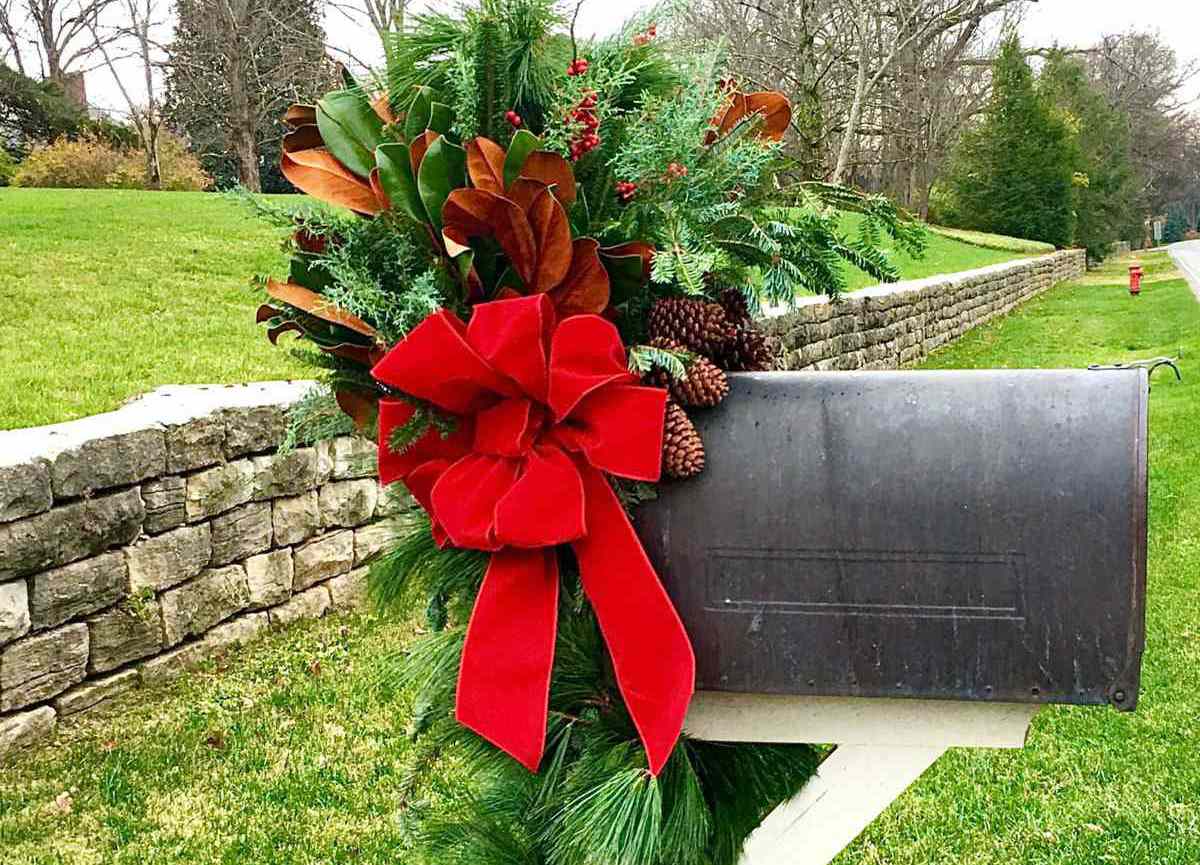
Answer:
[(958, 535)]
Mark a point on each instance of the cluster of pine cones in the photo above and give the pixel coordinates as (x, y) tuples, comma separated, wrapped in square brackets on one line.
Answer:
[(723, 338)]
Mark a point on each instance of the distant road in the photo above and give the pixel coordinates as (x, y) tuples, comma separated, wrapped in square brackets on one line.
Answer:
[(1187, 258)]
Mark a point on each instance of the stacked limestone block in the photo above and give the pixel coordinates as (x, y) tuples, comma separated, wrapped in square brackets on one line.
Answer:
[(136, 544), (891, 326)]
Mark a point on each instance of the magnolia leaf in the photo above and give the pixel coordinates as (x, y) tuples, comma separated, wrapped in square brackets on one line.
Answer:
[(318, 306), (625, 275), (361, 408), (304, 270), (586, 286), (477, 213), (417, 148), (439, 117), (300, 115), (416, 121), (552, 170), (523, 143), (304, 137), (485, 165), (316, 172), (442, 170), (382, 106), (350, 129), (770, 110), (348, 80), (396, 178), (552, 235)]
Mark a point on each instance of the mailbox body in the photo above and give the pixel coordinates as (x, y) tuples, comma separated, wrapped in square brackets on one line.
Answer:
[(976, 535)]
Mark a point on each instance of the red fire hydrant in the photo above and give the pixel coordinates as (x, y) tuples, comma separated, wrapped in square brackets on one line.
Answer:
[(1135, 279)]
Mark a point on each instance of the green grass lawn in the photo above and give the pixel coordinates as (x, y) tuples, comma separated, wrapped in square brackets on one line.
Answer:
[(110, 293), (944, 255), (295, 750)]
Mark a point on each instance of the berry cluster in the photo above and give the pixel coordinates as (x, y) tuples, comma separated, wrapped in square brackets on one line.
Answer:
[(577, 67), (584, 115), (645, 36), (626, 190), (676, 170), (513, 118)]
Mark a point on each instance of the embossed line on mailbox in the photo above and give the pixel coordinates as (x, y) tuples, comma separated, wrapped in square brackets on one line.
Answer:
[(907, 584)]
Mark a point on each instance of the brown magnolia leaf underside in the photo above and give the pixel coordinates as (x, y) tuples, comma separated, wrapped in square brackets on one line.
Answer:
[(774, 114), (477, 213), (485, 165), (552, 170), (320, 307), (552, 236), (316, 172), (585, 288)]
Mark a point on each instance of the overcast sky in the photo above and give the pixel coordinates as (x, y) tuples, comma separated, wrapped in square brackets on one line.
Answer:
[(1066, 22)]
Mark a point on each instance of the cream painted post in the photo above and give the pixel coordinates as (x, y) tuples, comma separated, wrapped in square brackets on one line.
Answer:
[(882, 746)]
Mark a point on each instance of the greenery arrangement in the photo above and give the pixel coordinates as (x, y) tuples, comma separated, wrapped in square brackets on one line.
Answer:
[(626, 181)]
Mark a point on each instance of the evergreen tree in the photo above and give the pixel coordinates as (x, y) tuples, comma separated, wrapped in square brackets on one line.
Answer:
[(234, 68), (1105, 191), (1014, 174), (1176, 228)]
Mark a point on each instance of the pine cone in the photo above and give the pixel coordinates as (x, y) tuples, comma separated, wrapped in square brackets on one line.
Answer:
[(737, 308), (747, 351), (697, 324), (705, 385), (683, 451)]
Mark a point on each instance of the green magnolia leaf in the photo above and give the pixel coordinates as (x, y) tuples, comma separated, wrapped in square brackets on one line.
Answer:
[(303, 270), (625, 275), (439, 117), (395, 174), (443, 169), (350, 129), (523, 143), (347, 79), (417, 119)]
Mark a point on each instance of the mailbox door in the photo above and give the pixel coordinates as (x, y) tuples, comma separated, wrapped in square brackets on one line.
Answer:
[(967, 535)]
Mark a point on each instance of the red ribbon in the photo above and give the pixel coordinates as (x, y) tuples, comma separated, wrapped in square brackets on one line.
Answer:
[(543, 409)]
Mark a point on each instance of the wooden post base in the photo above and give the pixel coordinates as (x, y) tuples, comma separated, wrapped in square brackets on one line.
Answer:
[(882, 746)]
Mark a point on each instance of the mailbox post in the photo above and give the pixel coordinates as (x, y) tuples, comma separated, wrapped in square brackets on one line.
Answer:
[(898, 563)]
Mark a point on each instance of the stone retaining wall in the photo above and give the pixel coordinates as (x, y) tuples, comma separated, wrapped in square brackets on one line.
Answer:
[(891, 326), (137, 543)]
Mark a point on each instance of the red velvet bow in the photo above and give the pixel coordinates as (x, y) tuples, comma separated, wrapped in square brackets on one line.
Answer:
[(543, 409)]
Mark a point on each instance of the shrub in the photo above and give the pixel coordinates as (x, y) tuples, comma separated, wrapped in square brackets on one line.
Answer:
[(8, 167), (91, 163)]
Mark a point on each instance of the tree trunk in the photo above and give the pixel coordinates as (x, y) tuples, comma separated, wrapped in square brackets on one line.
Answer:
[(242, 135), (852, 120)]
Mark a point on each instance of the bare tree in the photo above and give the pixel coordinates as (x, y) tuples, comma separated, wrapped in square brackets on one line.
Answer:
[(385, 16), (10, 33), (63, 35), (138, 34)]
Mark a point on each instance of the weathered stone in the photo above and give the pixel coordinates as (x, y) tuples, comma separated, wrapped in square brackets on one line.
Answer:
[(348, 503), (28, 728), (92, 694), (236, 632), (286, 474), (216, 490), (353, 457), (296, 518), (253, 430), (393, 500), (324, 461), (14, 611), (194, 607), (311, 604), (42, 666), (83, 587), (164, 500), (240, 533), (269, 578), (196, 444), (167, 666), (112, 461), (166, 560), (24, 490), (69, 533), (349, 591), (322, 558), (123, 634), (371, 540)]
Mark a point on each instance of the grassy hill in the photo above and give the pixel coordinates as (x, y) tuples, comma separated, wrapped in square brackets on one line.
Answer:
[(110, 293)]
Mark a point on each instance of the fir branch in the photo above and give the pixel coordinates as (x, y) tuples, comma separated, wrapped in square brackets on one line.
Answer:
[(645, 358)]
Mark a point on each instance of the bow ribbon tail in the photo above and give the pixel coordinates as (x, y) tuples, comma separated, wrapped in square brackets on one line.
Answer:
[(651, 653), (504, 682)]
